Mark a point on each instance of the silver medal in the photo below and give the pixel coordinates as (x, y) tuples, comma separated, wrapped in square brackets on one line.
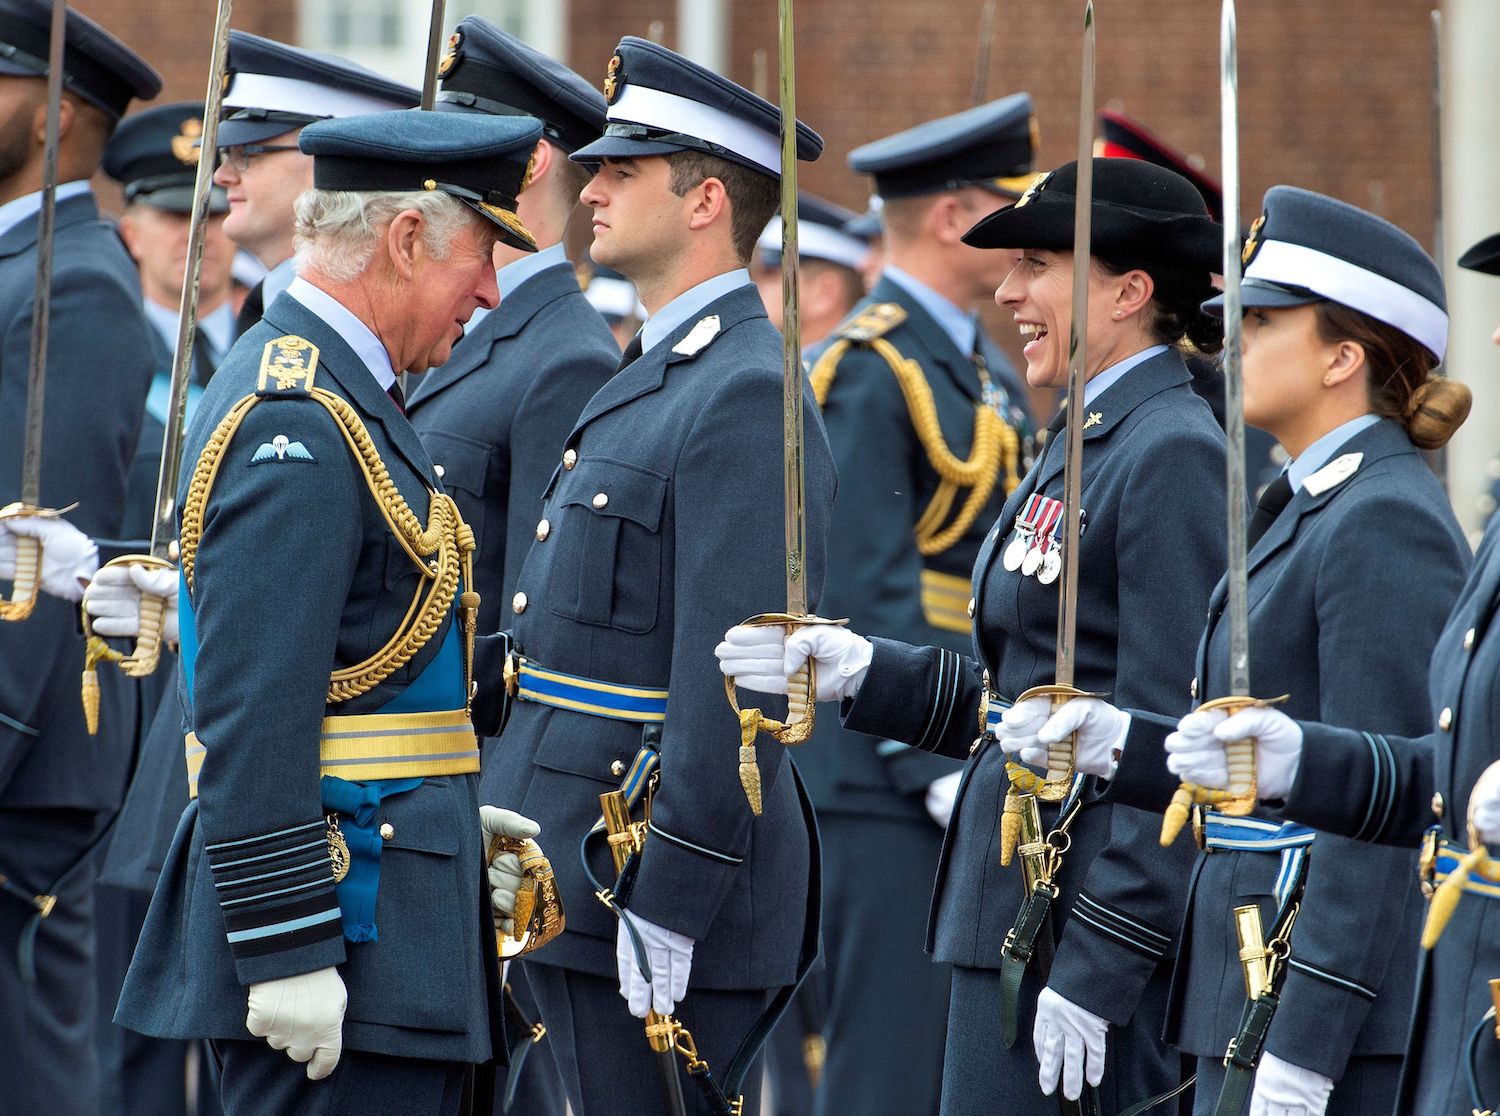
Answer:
[(1032, 561), (1051, 567), (1015, 552)]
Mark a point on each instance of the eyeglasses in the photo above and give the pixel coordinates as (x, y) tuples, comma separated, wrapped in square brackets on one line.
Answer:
[(240, 155)]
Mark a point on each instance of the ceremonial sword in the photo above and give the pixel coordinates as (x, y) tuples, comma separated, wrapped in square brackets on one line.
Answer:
[(982, 61), (1239, 800), (146, 655), (29, 550), (802, 686)]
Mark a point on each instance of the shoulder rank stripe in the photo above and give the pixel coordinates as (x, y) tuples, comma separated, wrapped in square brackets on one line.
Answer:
[(872, 322)]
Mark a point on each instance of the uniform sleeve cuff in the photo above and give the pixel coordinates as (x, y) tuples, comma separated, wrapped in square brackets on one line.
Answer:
[(682, 883)]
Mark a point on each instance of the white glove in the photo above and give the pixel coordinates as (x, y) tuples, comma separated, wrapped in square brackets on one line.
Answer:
[(1282, 1089), (1101, 730), (113, 600), (763, 658), (1484, 800), (1019, 725), (1278, 748), (1069, 1043), (942, 793), (1194, 753), (303, 1015), (504, 871), (69, 557), (671, 958)]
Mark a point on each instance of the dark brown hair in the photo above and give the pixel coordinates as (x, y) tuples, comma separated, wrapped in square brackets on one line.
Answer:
[(753, 195), (1401, 382), (1176, 304)]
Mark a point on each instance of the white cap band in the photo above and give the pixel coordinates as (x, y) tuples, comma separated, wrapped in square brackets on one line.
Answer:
[(308, 98), (816, 242), (613, 296), (639, 104), (1296, 265)]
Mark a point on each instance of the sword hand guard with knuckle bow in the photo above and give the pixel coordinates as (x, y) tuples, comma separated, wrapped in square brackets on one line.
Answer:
[(802, 697), (1240, 798), (538, 915), (1025, 783), (143, 659), (28, 579)]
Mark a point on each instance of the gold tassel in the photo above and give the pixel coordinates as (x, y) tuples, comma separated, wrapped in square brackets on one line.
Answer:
[(1177, 815), (1449, 892), (749, 767), (1010, 828)]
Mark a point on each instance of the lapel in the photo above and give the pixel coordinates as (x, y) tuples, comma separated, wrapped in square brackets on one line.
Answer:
[(338, 362), (504, 322), (938, 349), (646, 374), (70, 211)]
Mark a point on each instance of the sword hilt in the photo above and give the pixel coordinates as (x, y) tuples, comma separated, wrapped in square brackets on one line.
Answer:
[(28, 580), (1239, 799), (538, 915), (143, 659), (1445, 898), (1054, 786)]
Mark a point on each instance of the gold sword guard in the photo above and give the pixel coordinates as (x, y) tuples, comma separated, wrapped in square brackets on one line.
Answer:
[(1239, 800)]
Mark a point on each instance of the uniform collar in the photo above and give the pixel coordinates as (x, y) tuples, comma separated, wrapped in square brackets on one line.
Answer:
[(277, 280), (666, 321), (510, 277), (956, 322), (1101, 383), (342, 321), (1315, 456), (13, 212), (219, 325)]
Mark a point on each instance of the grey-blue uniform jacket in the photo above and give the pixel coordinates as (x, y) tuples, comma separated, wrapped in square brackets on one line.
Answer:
[(495, 415), (1349, 588), (1153, 545), (665, 529), (875, 571), (298, 573), (98, 367), (1372, 786)]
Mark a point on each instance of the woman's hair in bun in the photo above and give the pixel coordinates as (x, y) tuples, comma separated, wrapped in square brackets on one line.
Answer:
[(1176, 304), (1402, 385)]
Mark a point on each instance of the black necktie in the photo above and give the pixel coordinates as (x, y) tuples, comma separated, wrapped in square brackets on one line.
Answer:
[(631, 354), (1276, 496), (251, 309), (398, 396), (205, 357)]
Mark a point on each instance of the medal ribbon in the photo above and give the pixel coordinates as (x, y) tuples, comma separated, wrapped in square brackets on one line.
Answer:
[(1040, 518)]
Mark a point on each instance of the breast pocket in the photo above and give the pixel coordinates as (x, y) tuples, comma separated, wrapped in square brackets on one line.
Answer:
[(463, 466), (610, 549)]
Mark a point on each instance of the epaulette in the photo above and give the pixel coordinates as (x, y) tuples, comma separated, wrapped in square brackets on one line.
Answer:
[(872, 322), (287, 367)]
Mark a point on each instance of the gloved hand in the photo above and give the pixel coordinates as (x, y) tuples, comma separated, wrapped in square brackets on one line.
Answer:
[(671, 957), (303, 1015), (1019, 725), (942, 793), (113, 600), (1069, 1043), (763, 658), (1278, 748), (69, 557), (1101, 730), (504, 872), (1194, 753), (1282, 1089), (1484, 800)]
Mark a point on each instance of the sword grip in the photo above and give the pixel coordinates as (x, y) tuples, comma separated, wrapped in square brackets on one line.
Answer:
[(143, 661), (27, 580)]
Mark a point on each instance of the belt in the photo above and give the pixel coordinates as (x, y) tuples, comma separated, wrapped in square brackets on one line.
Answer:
[(1445, 856), (529, 682), (945, 601), (1291, 841), (381, 746)]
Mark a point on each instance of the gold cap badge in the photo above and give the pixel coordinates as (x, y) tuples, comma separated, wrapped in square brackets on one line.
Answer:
[(1033, 190), (1252, 241), (182, 143), (450, 59), (613, 80)]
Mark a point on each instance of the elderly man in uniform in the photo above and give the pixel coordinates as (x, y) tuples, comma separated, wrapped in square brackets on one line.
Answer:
[(58, 785), (323, 892), (906, 529), (665, 518), (275, 90)]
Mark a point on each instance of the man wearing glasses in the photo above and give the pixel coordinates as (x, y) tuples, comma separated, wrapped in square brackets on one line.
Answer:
[(272, 88)]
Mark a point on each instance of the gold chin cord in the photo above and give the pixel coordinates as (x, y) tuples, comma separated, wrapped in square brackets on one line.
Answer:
[(538, 915), (1475, 862), (1239, 799)]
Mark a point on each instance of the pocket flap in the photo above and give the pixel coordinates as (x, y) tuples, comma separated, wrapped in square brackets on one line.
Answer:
[(616, 488), (464, 462)]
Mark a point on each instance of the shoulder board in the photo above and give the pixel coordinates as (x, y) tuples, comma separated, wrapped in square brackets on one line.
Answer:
[(872, 322), (287, 366)]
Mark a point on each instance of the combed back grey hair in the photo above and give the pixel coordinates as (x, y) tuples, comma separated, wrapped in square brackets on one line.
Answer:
[(337, 230)]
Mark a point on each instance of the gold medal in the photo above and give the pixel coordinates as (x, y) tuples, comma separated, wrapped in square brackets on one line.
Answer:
[(338, 849)]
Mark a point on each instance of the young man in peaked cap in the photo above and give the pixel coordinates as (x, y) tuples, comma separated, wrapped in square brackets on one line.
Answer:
[(322, 898), (664, 518), (894, 567), (58, 785), (494, 417), (273, 91)]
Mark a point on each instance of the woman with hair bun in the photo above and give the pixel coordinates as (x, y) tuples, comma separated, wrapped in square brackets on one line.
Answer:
[(1355, 559), (1152, 547)]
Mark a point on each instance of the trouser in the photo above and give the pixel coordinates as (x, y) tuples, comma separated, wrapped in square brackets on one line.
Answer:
[(258, 1081), (539, 1090)]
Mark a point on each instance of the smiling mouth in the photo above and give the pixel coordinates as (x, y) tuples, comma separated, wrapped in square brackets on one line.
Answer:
[(1032, 332)]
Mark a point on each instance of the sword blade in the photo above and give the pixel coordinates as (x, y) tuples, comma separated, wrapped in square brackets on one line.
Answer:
[(434, 53), (1234, 397), (986, 41), (41, 312), (1067, 611), (791, 329), (164, 523)]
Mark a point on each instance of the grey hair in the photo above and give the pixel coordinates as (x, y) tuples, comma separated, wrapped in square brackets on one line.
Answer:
[(337, 230)]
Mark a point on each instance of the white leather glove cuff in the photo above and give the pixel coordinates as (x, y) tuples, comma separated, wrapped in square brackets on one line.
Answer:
[(1284, 1089)]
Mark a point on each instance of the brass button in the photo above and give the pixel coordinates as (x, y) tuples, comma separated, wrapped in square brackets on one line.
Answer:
[(543, 529), (617, 768), (1445, 719), (440, 471), (387, 831), (1437, 804), (1469, 639), (570, 458), (971, 608), (518, 603), (600, 499), (1193, 690)]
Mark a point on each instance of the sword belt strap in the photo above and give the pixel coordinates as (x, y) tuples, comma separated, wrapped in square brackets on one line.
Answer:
[(1025, 940), (527, 1034), (1486, 1025), (1447, 853), (530, 681), (1292, 842), (381, 746)]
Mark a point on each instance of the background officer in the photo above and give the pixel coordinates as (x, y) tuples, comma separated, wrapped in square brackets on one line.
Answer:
[(828, 259), (906, 530), (58, 785), (328, 801), (663, 521)]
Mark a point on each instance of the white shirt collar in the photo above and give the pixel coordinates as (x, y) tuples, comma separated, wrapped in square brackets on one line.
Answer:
[(13, 212), (953, 320), (219, 325), (665, 321), (342, 321), (1315, 456), (1116, 372)]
